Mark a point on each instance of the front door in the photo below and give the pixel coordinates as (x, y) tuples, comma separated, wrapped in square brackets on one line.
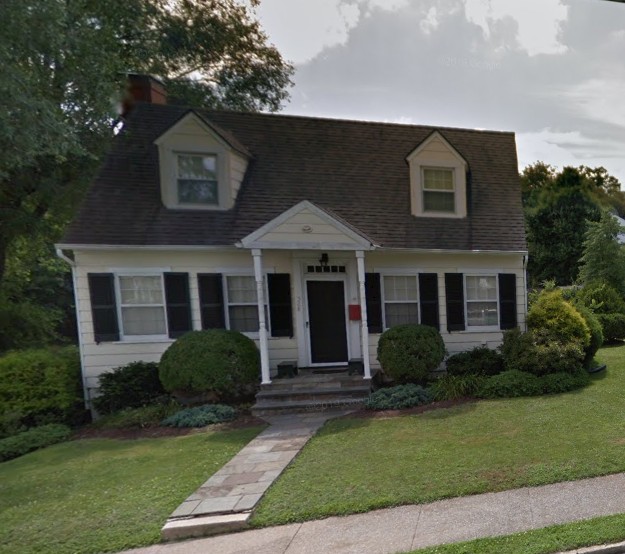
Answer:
[(326, 322)]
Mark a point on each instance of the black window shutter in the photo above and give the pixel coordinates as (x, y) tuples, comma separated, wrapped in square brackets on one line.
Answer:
[(374, 302), (507, 301), (178, 304), (428, 298), (103, 307), (280, 310), (211, 300), (454, 296)]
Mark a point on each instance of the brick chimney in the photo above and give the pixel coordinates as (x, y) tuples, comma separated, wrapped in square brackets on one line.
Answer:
[(142, 88)]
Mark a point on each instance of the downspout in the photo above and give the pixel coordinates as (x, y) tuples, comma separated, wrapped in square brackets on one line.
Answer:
[(60, 254), (525, 290)]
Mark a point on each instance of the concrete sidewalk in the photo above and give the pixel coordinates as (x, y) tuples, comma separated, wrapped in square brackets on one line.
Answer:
[(406, 528)]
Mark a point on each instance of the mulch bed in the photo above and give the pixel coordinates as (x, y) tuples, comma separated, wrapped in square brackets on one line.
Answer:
[(93, 432)]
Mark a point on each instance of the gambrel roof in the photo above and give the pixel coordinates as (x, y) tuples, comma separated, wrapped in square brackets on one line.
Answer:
[(357, 171)]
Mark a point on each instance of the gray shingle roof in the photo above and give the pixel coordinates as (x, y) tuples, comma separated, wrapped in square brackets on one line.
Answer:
[(356, 170)]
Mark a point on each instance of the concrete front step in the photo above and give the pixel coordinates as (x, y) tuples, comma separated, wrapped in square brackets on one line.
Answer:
[(315, 394), (267, 408)]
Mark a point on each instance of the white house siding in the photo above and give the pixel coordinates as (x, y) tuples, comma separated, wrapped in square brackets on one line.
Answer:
[(386, 262), (98, 358)]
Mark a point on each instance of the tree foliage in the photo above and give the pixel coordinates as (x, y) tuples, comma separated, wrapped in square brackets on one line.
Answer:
[(557, 206), (63, 66)]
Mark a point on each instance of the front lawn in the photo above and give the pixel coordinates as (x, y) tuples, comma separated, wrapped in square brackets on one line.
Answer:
[(356, 465), (103, 495)]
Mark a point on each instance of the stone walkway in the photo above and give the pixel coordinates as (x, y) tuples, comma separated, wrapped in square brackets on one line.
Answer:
[(225, 501)]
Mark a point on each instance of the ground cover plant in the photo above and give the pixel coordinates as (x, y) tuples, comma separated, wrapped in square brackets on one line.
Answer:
[(467, 449), (103, 495)]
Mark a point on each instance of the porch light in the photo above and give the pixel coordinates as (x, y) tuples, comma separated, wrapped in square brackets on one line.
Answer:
[(324, 259)]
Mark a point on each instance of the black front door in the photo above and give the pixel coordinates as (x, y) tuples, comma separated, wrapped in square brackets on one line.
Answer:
[(326, 320)]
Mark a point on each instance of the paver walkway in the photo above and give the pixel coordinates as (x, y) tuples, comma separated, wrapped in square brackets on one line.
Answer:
[(408, 527), (225, 501)]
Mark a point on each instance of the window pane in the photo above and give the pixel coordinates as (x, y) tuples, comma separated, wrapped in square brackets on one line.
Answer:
[(197, 192), (243, 318), (241, 290), (438, 201), (400, 287), (140, 289), (482, 313), (481, 287), (438, 179), (400, 314), (197, 167), (144, 321)]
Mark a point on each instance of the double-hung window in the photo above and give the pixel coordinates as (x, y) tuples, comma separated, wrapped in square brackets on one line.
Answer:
[(439, 192), (142, 305), (242, 302), (481, 300), (401, 300), (197, 179)]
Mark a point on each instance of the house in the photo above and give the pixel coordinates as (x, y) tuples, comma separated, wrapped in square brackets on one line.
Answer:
[(310, 235)]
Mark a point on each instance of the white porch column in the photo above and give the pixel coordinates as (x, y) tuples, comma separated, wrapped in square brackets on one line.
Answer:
[(262, 322), (364, 331)]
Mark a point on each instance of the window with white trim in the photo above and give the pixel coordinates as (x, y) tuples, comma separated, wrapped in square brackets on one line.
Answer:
[(439, 190), (242, 303), (142, 305), (401, 300), (197, 179), (482, 303)]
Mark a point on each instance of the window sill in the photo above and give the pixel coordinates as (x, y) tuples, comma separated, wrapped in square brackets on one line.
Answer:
[(491, 329), (144, 338)]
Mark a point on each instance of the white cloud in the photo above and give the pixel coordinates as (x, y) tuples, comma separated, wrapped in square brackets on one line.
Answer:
[(538, 21)]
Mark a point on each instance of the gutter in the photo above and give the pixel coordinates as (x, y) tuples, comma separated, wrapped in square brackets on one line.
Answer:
[(86, 397)]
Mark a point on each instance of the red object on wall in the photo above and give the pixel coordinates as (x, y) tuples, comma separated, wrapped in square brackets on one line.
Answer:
[(354, 312)]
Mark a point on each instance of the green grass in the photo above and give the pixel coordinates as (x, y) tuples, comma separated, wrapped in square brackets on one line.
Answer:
[(104, 495), (557, 538), (356, 465)]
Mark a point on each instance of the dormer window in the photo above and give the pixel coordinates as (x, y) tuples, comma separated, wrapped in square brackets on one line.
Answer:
[(197, 179), (439, 190)]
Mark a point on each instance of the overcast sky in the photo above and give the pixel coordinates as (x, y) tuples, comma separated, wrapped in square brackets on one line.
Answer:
[(553, 71)]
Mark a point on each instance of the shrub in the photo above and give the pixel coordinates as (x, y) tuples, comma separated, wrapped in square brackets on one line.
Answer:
[(479, 361), (596, 333), (143, 417), (131, 386), (408, 353), (33, 439), (601, 298), (552, 318), (613, 326), (398, 397), (26, 325), (217, 361), (41, 386), (200, 416), (452, 387), (563, 382), (510, 384)]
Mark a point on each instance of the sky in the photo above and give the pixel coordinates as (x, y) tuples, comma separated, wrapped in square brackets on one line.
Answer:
[(552, 71)]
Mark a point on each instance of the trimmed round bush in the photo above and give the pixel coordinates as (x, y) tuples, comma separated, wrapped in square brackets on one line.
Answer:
[(398, 397), (201, 416), (453, 387), (41, 386), (408, 353), (224, 363), (601, 298), (613, 326), (130, 386), (510, 384), (479, 361), (553, 318)]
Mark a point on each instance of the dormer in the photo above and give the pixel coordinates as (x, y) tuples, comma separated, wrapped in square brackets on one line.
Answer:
[(438, 179), (201, 166)]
